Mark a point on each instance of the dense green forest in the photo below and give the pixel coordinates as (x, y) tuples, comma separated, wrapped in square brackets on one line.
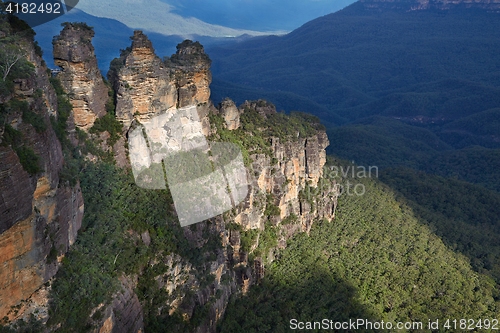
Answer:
[(465, 216), (389, 143), (381, 259)]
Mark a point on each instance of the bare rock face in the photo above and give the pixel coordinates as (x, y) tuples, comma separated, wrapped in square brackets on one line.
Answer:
[(39, 217), (17, 190), (291, 179), (146, 86), (124, 314), (230, 113), (293, 169), (143, 85), (80, 76)]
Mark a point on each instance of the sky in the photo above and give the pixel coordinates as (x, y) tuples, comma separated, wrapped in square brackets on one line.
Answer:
[(260, 15), (216, 18)]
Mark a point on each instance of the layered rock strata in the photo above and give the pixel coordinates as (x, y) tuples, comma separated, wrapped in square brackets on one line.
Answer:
[(39, 217), (80, 75), (146, 86)]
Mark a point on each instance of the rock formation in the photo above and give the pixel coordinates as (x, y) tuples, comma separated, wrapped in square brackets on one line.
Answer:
[(80, 75), (39, 216), (230, 113), (146, 86)]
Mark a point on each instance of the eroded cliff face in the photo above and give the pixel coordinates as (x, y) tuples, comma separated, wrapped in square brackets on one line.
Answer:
[(231, 251), (39, 216), (146, 86), (80, 75)]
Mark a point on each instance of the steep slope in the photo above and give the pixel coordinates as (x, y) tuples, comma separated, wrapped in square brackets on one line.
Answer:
[(40, 213), (380, 263), (133, 267)]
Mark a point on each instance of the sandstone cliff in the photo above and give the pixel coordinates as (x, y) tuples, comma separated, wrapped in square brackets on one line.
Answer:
[(146, 86), (279, 174), (80, 75), (230, 252), (39, 216)]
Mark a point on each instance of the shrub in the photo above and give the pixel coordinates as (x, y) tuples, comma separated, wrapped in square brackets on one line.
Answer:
[(29, 160)]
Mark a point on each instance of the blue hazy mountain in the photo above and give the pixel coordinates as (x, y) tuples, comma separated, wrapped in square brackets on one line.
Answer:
[(395, 87), (158, 16), (357, 63), (260, 15)]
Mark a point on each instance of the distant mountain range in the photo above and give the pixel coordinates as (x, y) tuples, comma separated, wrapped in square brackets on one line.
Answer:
[(260, 15), (157, 16), (419, 88)]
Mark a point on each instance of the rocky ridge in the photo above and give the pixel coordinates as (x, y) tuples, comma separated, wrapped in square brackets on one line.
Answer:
[(80, 75), (146, 86), (233, 246)]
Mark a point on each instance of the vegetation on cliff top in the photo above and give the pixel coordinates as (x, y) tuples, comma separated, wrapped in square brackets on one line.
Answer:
[(256, 129)]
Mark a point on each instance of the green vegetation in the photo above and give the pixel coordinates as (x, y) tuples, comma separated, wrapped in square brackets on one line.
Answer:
[(64, 108), (105, 249), (388, 143), (356, 63), (188, 59), (271, 208), (255, 131), (72, 158), (29, 160), (415, 89), (13, 63), (22, 326), (30, 117), (465, 216), (108, 122), (248, 239), (377, 260), (77, 25), (109, 245)]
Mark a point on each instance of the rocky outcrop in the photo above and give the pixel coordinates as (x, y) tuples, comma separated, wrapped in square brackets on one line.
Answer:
[(44, 223), (230, 113), (80, 75), (146, 86), (124, 314), (39, 217), (16, 196)]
